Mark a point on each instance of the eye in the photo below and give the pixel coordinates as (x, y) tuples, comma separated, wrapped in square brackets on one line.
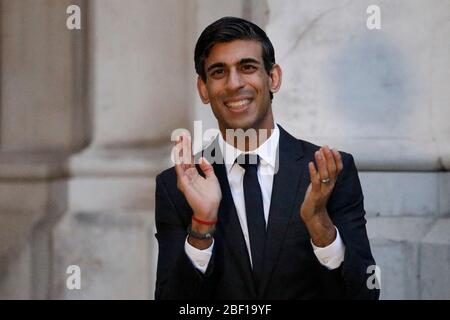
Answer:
[(248, 68), (217, 73)]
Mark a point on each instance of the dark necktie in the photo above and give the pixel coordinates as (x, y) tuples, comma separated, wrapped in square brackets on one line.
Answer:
[(255, 212)]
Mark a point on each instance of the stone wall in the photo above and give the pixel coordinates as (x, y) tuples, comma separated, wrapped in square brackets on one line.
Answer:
[(86, 117), (381, 95)]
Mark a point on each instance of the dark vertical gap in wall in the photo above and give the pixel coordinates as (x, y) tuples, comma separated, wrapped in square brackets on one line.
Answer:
[(257, 11), (80, 123), (1, 82), (88, 72), (247, 9)]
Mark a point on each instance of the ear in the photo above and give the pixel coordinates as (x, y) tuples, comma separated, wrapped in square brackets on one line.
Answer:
[(202, 91), (276, 76)]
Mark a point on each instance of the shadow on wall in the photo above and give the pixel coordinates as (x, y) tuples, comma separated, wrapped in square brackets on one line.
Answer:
[(370, 85)]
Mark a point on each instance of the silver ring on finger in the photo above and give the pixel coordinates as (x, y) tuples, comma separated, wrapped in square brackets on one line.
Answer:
[(327, 180)]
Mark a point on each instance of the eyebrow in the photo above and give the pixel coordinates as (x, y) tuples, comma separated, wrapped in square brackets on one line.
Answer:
[(249, 60), (215, 65), (241, 62)]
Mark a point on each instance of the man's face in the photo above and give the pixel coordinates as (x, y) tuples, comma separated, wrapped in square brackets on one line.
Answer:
[(238, 86)]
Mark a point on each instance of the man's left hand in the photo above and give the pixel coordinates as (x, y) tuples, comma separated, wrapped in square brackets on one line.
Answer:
[(314, 207)]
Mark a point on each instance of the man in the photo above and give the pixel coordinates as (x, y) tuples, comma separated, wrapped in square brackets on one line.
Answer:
[(269, 218)]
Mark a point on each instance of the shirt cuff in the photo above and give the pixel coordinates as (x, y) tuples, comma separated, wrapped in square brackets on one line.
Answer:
[(332, 255), (199, 258)]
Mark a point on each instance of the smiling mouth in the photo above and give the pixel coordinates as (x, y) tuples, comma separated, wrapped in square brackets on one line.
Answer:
[(238, 105)]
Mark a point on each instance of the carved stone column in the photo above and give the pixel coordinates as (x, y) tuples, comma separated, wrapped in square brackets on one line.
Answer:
[(41, 123), (138, 92)]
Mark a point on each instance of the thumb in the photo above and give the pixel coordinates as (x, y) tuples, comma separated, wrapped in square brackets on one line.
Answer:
[(308, 190), (206, 168)]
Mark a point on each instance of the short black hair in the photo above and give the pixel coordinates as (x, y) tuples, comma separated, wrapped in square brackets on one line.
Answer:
[(228, 29)]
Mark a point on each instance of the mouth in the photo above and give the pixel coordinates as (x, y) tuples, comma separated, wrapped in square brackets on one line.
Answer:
[(238, 106)]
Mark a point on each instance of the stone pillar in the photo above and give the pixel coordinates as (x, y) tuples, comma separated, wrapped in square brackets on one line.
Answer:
[(41, 123), (139, 91)]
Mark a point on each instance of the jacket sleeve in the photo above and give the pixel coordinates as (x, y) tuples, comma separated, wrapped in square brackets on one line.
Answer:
[(346, 209), (176, 276)]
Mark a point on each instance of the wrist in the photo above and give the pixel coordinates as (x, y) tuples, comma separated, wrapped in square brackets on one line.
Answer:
[(206, 216), (315, 217), (208, 222), (321, 229), (200, 235), (202, 228)]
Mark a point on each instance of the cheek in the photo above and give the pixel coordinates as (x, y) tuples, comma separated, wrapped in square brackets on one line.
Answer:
[(214, 92), (263, 89), (261, 83)]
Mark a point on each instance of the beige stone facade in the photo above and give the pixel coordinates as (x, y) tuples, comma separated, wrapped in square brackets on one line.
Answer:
[(86, 118)]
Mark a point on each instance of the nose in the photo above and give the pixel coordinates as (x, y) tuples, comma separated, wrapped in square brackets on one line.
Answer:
[(234, 81)]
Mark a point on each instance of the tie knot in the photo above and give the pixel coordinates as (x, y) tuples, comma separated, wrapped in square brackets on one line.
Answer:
[(248, 161)]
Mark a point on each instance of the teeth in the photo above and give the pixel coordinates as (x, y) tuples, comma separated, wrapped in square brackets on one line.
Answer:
[(238, 104)]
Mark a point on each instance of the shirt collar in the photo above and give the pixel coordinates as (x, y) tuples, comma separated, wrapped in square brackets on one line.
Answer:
[(267, 151)]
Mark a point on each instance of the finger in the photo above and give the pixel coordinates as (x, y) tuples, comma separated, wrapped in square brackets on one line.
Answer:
[(314, 175), (183, 149), (321, 165), (338, 160), (179, 166), (177, 151), (179, 170), (331, 165), (189, 150), (181, 177), (177, 156), (192, 174), (207, 168), (186, 154)]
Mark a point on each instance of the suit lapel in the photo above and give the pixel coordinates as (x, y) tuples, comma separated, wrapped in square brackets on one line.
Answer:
[(229, 224), (284, 194)]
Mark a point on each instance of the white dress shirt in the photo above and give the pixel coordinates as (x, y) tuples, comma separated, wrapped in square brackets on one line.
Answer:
[(330, 256)]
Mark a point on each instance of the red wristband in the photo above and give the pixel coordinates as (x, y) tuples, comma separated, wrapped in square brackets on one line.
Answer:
[(208, 223)]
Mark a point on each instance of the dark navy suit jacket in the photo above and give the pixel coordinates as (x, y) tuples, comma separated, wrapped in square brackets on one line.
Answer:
[(291, 269)]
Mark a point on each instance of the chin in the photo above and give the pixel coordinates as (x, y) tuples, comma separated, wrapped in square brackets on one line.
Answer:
[(243, 124)]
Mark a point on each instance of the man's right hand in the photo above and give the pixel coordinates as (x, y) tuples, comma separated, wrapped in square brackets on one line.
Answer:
[(202, 193)]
